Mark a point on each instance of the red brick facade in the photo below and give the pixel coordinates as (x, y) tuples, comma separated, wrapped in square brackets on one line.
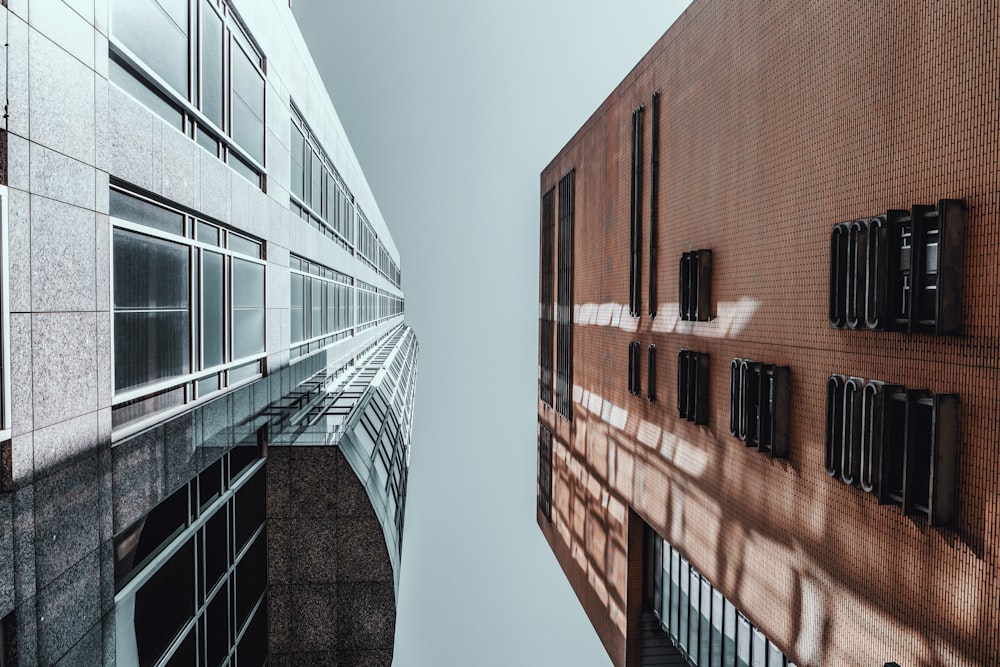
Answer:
[(778, 120)]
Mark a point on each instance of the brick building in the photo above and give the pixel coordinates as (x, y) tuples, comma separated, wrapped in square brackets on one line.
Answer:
[(768, 346)]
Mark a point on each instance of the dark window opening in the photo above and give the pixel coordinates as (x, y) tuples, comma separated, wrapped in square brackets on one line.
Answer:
[(695, 297), (545, 299), (692, 386), (564, 307), (898, 443), (901, 271), (654, 208), (761, 394), (544, 492), (651, 373), (634, 385), (635, 217)]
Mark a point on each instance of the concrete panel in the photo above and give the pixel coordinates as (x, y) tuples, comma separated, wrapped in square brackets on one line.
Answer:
[(62, 100), (56, 176), (64, 365), (63, 270)]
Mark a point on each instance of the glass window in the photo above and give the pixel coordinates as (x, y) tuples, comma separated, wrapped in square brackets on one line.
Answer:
[(248, 308), (145, 213), (164, 604), (298, 170), (152, 319), (156, 32), (248, 104), (212, 68), (213, 309), (123, 78)]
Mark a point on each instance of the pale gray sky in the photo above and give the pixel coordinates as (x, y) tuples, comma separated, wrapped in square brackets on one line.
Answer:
[(453, 108)]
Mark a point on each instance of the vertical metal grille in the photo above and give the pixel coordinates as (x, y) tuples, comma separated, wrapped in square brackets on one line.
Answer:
[(545, 299), (635, 216), (564, 306)]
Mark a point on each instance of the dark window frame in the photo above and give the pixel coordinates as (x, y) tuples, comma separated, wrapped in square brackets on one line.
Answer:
[(902, 271), (564, 305), (900, 444), (635, 217), (651, 373), (544, 482), (693, 386), (761, 395), (546, 284), (634, 382), (695, 286), (654, 204)]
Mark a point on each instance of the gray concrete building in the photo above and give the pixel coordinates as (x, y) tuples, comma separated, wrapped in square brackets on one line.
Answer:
[(207, 380)]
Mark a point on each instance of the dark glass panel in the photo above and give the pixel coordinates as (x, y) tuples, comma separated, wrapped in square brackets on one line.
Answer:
[(251, 578), (216, 540), (164, 604), (149, 273), (184, 655), (208, 233), (210, 484), (250, 508), (217, 627), (137, 544), (252, 651), (150, 346)]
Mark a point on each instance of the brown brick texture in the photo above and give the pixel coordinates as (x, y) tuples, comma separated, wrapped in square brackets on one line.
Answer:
[(779, 119)]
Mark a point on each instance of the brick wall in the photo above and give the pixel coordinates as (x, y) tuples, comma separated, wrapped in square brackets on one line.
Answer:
[(778, 120)]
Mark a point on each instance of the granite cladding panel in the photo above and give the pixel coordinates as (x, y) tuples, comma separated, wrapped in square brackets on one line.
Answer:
[(66, 518), (64, 366), (62, 100), (63, 250)]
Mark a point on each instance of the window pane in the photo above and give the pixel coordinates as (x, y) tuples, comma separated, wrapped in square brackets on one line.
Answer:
[(296, 308), (217, 627), (145, 213), (211, 64), (156, 32), (317, 176), (150, 346), (141, 91), (244, 245), (248, 284), (298, 172), (248, 105), (251, 579), (149, 273), (248, 332), (213, 309), (208, 233), (252, 651), (164, 604), (250, 506), (243, 372)]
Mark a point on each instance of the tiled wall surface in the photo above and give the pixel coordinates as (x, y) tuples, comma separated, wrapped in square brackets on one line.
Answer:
[(68, 134), (779, 120)]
